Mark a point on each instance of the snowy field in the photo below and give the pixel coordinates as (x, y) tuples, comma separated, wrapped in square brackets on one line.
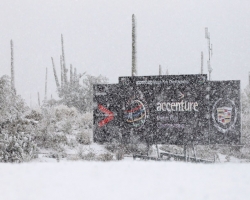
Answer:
[(126, 179)]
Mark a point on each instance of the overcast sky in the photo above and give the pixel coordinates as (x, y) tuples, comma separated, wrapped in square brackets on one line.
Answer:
[(97, 39)]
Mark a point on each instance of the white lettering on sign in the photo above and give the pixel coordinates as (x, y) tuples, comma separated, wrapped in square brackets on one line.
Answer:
[(177, 106)]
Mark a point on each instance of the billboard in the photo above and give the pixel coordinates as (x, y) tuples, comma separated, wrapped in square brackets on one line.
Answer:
[(225, 112), (175, 109)]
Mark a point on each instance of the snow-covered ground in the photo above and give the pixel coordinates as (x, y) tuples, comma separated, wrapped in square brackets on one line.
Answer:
[(126, 179)]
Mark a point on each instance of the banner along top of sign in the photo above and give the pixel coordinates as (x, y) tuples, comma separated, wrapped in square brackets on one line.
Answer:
[(164, 79)]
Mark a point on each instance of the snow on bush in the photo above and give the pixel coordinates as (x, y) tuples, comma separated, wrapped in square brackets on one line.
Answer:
[(83, 137), (16, 132), (63, 128), (63, 112), (17, 147), (89, 154)]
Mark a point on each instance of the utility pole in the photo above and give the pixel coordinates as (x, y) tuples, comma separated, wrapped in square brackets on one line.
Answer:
[(202, 62), (210, 52), (134, 70), (160, 73)]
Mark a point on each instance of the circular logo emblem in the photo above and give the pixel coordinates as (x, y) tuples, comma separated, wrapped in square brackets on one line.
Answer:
[(224, 115), (201, 79), (135, 114)]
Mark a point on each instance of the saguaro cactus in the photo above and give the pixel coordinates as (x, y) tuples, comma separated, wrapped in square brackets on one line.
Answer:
[(71, 75), (64, 63), (54, 70), (62, 73), (39, 103), (45, 95), (134, 69), (12, 68)]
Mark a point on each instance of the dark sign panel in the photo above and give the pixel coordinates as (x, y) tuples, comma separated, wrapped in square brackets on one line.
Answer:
[(225, 109), (167, 109), (106, 111)]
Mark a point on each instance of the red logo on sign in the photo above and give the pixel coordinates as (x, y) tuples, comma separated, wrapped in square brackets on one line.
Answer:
[(109, 118)]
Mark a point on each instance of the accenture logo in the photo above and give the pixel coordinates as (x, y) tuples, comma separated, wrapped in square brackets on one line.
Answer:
[(178, 106)]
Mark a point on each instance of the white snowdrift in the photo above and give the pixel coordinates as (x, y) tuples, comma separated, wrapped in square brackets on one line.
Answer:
[(127, 179)]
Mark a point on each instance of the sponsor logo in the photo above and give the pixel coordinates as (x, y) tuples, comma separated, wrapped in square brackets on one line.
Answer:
[(135, 115), (109, 115), (224, 115), (201, 79), (177, 106)]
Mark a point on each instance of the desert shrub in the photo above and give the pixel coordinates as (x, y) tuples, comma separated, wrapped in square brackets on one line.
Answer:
[(119, 154), (90, 156), (83, 138), (142, 149), (47, 137), (35, 115), (105, 157), (67, 127), (72, 142), (51, 140), (245, 152), (59, 139), (57, 155), (86, 154), (80, 152), (84, 121), (16, 141), (112, 146), (64, 112), (130, 148), (17, 147)]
